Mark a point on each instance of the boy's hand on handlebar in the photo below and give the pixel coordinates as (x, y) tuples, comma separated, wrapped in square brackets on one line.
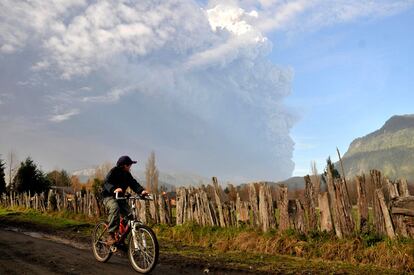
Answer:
[(118, 190), (144, 193)]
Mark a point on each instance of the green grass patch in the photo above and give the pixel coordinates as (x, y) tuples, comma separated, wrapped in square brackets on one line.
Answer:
[(46, 221)]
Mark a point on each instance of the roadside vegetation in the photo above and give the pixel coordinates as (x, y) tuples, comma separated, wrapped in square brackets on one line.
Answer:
[(244, 247)]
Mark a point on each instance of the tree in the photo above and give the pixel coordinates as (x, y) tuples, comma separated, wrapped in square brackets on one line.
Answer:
[(99, 179), (75, 183), (331, 168), (12, 169), (59, 178), (2, 177), (151, 174), (102, 170), (30, 178)]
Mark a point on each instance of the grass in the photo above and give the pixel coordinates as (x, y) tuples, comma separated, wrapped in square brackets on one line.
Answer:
[(286, 252), (360, 249), (76, 225), (280, 264)]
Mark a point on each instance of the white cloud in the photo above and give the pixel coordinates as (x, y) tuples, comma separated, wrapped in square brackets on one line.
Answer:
[(308, 15), (64, 116), (233, 19), (41, 65), (113, 96)]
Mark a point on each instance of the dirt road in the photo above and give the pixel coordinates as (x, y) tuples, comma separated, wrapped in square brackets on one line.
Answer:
[(23, 254)]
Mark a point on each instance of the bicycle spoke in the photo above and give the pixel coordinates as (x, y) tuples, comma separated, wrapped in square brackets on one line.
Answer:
[(103, 232), (145, 252)]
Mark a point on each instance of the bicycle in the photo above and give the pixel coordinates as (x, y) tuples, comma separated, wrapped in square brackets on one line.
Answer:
[(133, 237)]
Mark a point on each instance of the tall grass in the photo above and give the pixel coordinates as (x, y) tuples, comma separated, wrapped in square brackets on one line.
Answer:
[(360, 249)]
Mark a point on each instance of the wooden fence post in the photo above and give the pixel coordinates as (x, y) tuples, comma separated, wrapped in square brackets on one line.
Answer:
[(344, 208), (402, 209), (283, 204), (403, 188), (362, 203), (218, 202), (179, 208), (392, 189), (266, 211), (254, 205), (376, 181), (325, 212), (334, 205), (312, 222), (386, 214)]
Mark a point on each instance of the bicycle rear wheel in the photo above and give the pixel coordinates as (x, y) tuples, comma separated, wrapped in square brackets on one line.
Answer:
[(143, 250), (100, 248)]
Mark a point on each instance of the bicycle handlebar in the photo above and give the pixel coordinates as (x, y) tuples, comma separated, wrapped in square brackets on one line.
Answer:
[(147, 197)]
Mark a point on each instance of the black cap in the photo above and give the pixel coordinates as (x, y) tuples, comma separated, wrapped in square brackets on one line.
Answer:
[(125, 160)]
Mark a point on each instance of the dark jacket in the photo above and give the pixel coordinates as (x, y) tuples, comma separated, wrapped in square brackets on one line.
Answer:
[(119, 178)]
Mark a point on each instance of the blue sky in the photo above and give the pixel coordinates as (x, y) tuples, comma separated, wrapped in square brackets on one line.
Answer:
[(239, 89), (349, 79)]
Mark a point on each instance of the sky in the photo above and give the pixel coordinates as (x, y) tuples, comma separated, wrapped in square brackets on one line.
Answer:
[(243, 90)]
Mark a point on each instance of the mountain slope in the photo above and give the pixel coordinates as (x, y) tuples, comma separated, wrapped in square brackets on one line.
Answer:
[(389, 149)]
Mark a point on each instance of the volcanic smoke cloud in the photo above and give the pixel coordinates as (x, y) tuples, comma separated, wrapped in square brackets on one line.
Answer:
[(83, 82)]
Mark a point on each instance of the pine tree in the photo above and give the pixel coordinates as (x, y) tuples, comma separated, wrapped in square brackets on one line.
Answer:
[(2, 177), (151, 174), (30, 178), (59, 178)]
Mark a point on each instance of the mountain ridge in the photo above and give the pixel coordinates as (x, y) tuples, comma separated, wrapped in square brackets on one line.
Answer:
[(389, 149)]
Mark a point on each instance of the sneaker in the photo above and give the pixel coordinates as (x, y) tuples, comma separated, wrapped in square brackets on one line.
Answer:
[(111, 239)]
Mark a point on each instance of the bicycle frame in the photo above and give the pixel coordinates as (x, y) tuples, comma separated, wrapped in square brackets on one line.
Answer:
[(123, 231)]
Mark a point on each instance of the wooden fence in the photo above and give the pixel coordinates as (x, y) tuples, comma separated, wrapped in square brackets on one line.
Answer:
[(382, 206), (268, 207), (157, 211)]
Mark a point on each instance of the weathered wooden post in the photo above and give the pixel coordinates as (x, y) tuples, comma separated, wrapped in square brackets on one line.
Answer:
[(161, 209), (403, 188), (402, 209), (312, 222), (267, 218), (325, 212), (379, 223), (154, 209), (362, 203), (190, 205), (142, 210), (386, 214), (208, 210), (392, 189), (49, 200), (296, 215), (218, 202), (283, 204), (254, 205), (334, 204), (179, 209), (344, 208), (169, 210)]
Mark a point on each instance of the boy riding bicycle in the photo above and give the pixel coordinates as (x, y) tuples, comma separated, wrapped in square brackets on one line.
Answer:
[(118, 180)]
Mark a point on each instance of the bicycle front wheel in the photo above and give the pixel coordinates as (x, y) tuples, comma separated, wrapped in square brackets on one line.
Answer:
[(100, 248), (143, 250)]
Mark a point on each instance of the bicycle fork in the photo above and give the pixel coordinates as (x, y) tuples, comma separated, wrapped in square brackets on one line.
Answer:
[(135, 235)]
